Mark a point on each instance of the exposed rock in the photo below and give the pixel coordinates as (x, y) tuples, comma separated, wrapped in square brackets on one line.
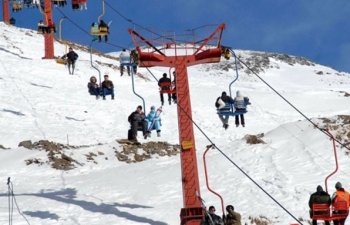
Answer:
[(26, 144), (136, 152), (254, 139), (339, 126)]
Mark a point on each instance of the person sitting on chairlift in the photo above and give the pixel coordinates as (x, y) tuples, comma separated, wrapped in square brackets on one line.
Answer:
[(340, 196), (223, 104), (103, 27), (93, 87), (153, 122), (137, 122), (319, 197), (124, 60), (107, 88), (161, 81), (240, 104)]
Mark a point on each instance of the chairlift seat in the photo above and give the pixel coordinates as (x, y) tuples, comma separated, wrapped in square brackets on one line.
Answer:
[(321, 212), (340, 210), (229, 110), (95, 31), (167, 88), (17, 6)]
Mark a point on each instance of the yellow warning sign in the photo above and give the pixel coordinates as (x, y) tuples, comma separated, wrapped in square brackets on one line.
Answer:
[(186, 145)]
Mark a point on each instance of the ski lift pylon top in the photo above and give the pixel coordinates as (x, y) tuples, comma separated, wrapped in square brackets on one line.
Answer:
[(158, 52)]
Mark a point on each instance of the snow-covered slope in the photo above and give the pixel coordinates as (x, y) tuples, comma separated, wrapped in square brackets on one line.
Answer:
[(41, 101)]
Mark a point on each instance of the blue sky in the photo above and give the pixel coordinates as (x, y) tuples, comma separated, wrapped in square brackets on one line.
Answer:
[(316, 29)]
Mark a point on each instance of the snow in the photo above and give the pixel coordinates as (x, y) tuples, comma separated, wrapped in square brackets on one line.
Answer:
[(41, 101)]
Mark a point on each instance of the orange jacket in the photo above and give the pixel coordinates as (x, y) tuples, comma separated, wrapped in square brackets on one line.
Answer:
[(341, 195)]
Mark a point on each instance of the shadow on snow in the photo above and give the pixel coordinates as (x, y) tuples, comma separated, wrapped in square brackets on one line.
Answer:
[(68, 196)]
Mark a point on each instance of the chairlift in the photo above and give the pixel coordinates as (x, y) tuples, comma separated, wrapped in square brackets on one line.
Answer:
[(59, 3), (229, 108), (340, 209), (96, 28), (167, 87), (30, 4), (79, 4), (17, 6)]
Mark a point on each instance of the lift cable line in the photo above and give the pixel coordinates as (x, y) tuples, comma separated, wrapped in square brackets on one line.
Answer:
[(289, 103), (237, 166), (85, 31)]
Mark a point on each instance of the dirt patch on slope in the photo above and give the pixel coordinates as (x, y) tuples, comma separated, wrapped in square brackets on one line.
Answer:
[(136, 152), (56, 157), (339, 126)]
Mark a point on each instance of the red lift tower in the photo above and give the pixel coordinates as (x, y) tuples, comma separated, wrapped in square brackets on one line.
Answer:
[(5, 11), (168, 53), (48, 36)]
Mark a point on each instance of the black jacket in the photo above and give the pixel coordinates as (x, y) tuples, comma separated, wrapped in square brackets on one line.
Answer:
[(107, 84), (164, 80), (321, 197), (227, 99), (71, 56), (136, 117)]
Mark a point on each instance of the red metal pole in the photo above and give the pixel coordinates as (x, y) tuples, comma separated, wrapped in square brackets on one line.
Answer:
[(192, 212), (336, 160), (5, 11), (48, 37), (207, 181)]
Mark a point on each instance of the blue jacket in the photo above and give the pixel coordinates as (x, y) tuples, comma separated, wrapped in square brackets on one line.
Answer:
[(157, 121)]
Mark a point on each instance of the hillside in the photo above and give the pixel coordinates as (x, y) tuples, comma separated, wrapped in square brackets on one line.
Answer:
[(54, 118)]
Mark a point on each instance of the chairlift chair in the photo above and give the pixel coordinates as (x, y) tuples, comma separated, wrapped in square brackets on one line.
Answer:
[(59, 3), (229, 108), (167, 88), (339, 209), (78, 4), (17, 6)]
